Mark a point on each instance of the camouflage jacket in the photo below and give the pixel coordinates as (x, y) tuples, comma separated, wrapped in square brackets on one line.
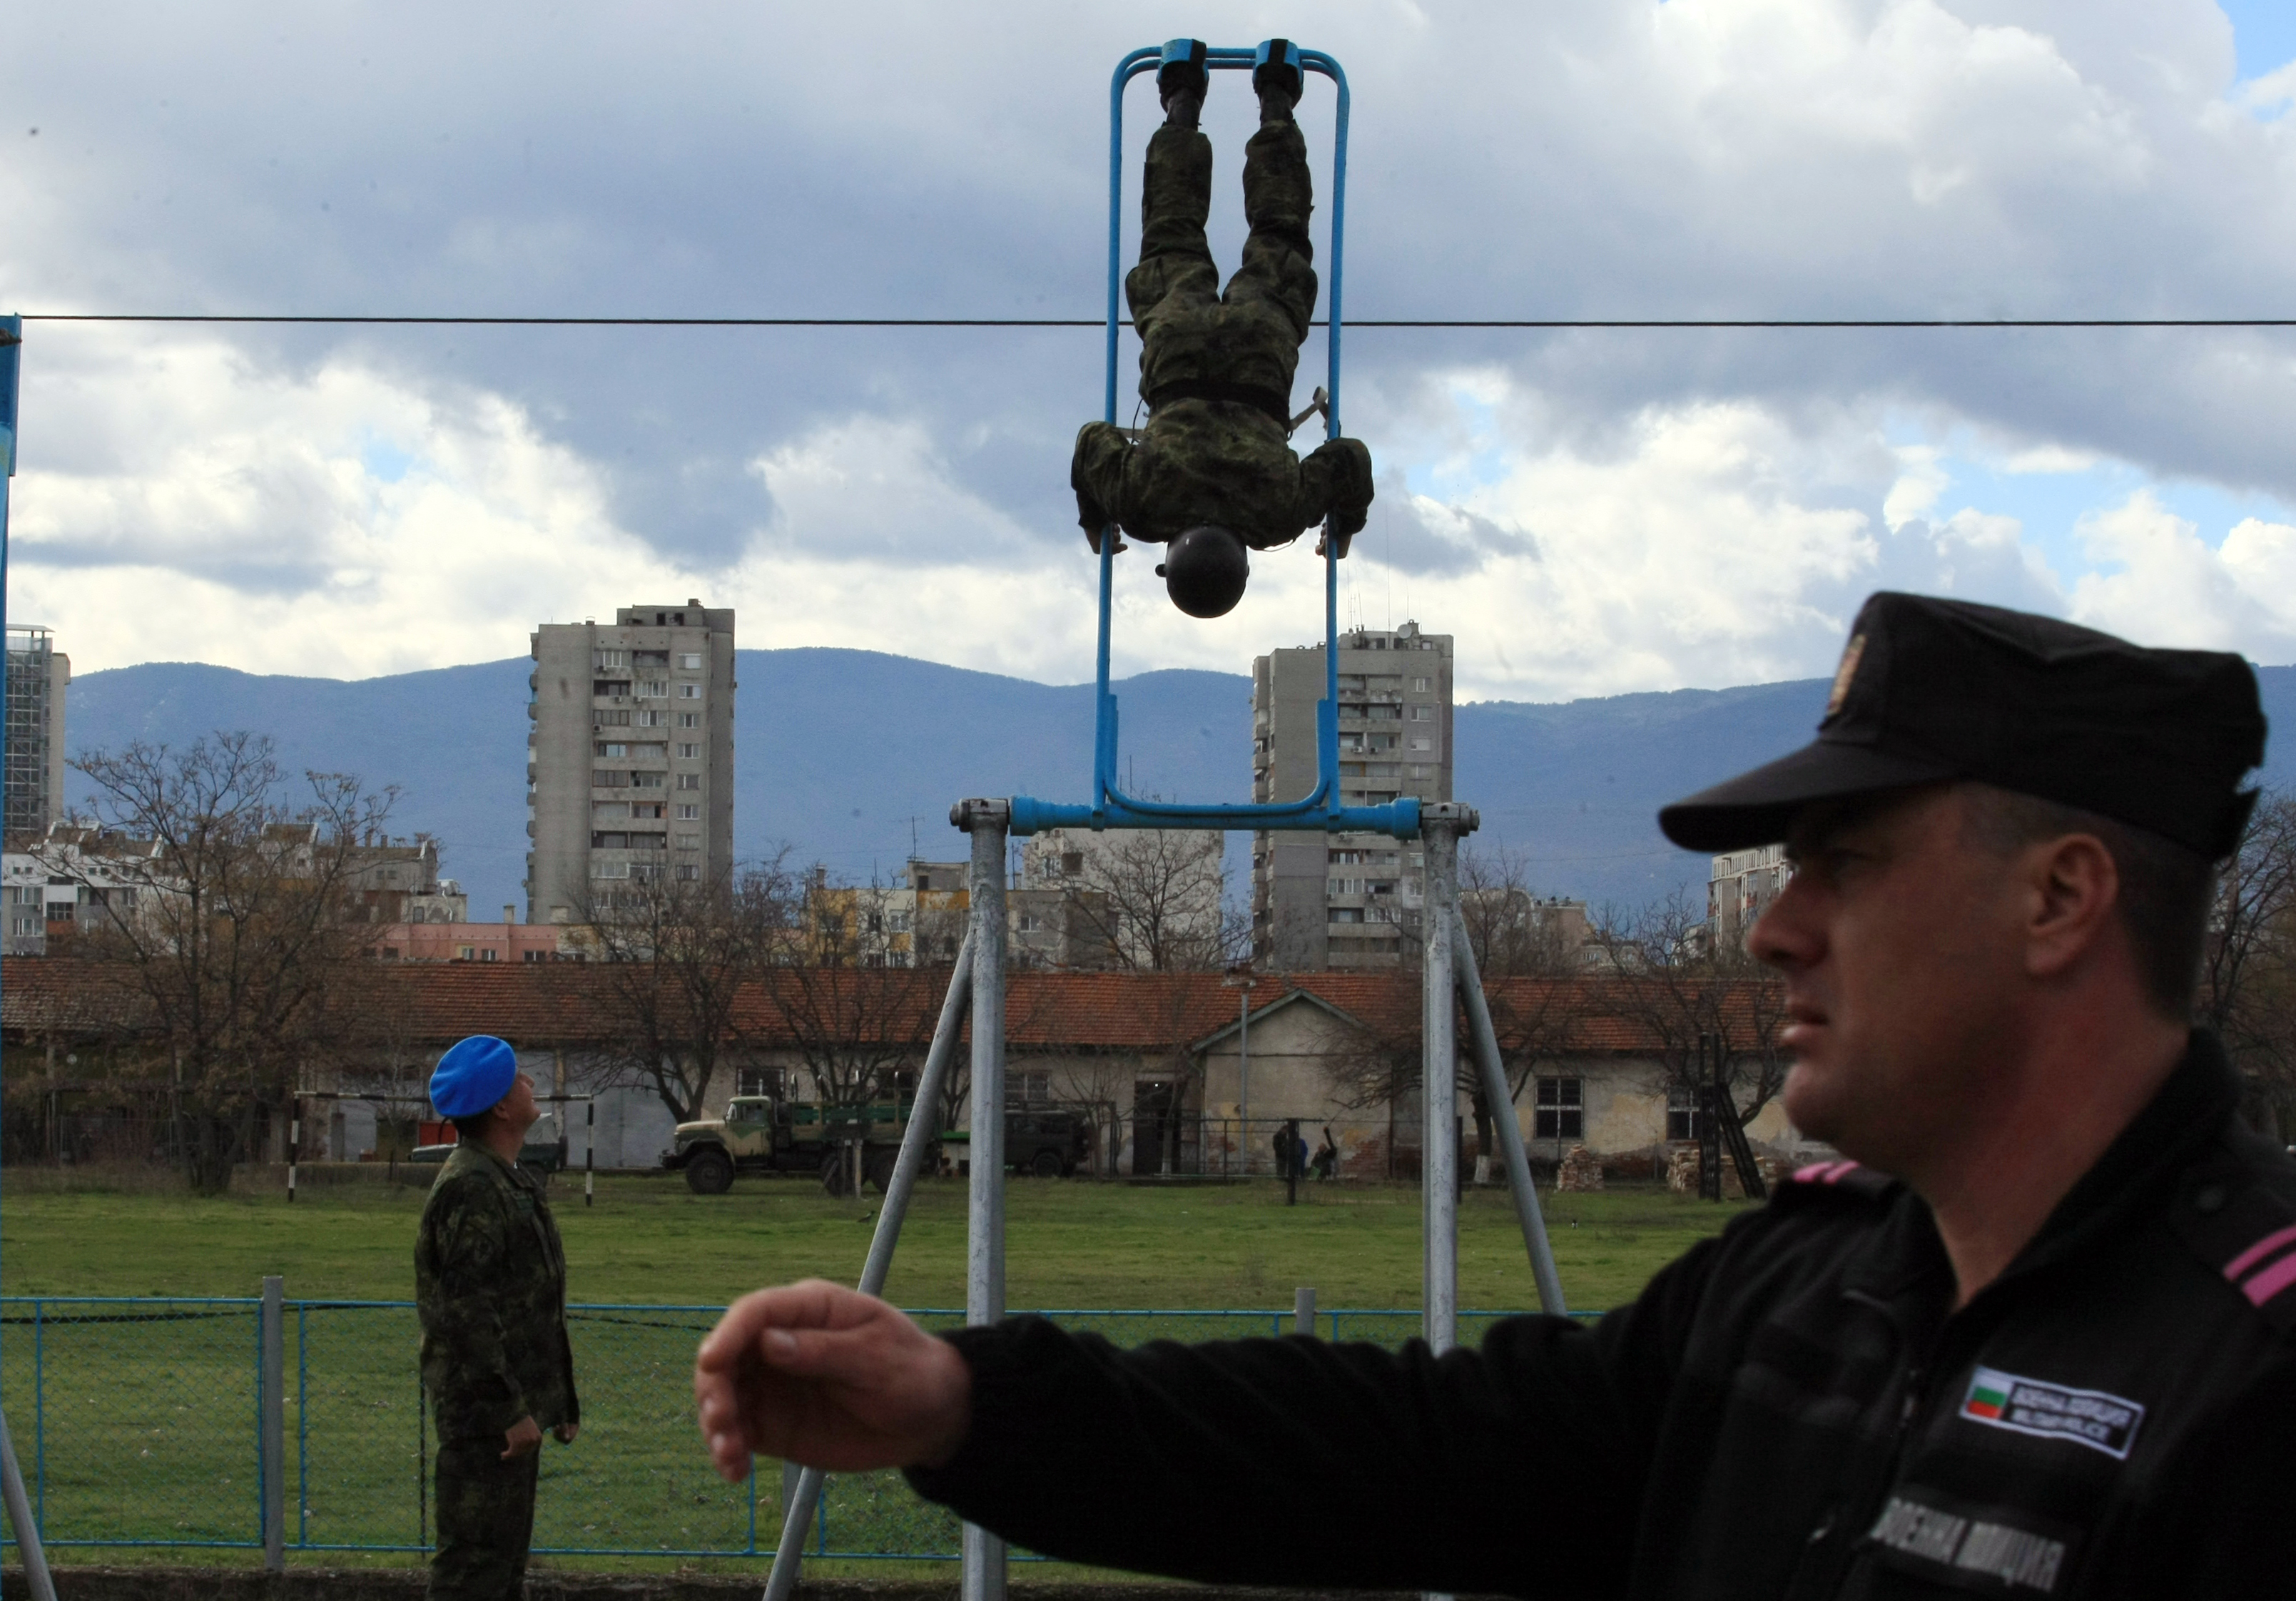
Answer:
[(490, 1286), (1215, 461)]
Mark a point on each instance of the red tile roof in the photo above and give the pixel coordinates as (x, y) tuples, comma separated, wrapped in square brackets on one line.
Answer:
[(545, 1004)]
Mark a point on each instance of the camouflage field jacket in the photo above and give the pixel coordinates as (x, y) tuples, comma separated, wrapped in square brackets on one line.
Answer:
[(490, 1286)]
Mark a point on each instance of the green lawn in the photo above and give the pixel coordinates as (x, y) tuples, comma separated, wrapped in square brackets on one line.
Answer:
[(1070, 1243), (141, 1422)]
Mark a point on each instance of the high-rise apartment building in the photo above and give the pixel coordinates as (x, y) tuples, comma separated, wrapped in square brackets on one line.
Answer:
[(32, 788), (1347, 899), (629, 763)]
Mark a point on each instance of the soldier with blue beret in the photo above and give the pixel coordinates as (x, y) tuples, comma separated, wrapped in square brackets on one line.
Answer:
[(490, 1286)]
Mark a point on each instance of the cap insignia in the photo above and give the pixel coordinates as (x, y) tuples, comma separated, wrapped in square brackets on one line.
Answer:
[(1846, 674)]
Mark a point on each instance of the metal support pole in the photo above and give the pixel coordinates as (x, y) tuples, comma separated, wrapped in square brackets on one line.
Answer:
[(1496, 1090), (20, 1518), (294, 1146), (1440, 827), (988, 822), (29, 1547), (1292, 1162), (801, 1489), (273, 1445), (1303, 1311), (590, 1153)]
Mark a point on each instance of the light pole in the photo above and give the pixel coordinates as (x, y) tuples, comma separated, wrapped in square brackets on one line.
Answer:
[(1240, 980)]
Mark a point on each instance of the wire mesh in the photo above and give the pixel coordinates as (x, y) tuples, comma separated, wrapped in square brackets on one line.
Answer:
[(142, 1419)]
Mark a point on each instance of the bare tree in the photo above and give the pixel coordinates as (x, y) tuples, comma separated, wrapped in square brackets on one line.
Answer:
[(233, 906), (856, 1026), (674, 956), (1153, 899), (2247, 970), (1677, 984)]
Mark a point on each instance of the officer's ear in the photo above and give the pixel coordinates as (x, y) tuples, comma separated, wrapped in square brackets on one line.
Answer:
[(2073, 890)]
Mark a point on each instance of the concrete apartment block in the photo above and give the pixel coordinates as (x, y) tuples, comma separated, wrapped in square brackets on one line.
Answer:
[(1347, 900), (630, 756), (32, 791)]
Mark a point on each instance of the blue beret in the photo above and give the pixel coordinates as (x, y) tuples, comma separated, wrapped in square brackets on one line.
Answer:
[(473, 1076)]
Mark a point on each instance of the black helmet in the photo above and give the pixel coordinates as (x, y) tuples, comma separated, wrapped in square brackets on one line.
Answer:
[(1204, 570)]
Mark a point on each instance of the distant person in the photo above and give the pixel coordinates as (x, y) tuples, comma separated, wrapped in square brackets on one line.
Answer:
[(490, 1287), (1281, 1146), (2034, 1335), (1327, 1156), (1214, 472)]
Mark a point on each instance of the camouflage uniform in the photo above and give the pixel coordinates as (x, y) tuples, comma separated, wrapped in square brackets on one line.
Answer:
[(491, 1283), (1215, 368)]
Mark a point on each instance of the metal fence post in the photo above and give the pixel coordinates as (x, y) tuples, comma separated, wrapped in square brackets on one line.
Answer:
[(271, 1446), (1303, 1311), (988, 822)]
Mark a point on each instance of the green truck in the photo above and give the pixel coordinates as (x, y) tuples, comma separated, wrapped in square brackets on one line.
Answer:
[(766, 1134)]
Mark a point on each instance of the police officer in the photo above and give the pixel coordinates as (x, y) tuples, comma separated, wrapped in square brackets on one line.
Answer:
[(1212, 471), (490, 1285), (2033, 1336)]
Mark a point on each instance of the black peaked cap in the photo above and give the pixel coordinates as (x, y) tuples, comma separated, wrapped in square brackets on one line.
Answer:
[(1932, 689)]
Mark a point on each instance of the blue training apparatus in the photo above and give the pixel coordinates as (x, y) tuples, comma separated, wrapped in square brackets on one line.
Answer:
[(1320, 809)]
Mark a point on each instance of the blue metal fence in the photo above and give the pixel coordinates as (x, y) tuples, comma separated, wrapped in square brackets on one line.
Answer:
[(146, 1428)]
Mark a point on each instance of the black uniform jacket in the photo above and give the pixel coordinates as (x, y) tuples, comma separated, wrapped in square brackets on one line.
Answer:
[(1789, 1410)]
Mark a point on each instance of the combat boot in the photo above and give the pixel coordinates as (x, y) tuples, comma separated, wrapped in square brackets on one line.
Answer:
[(1181, 82), (1276, 79)]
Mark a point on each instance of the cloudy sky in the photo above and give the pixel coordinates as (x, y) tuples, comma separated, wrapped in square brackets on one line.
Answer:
[(1590, 512)]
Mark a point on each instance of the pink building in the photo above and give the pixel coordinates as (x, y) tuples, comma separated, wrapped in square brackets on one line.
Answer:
[(470, 942)]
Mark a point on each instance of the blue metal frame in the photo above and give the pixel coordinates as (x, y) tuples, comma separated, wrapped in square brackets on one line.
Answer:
[(1110, 807)]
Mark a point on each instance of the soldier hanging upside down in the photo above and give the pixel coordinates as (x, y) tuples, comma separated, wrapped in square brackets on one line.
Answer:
[(1213, 472)]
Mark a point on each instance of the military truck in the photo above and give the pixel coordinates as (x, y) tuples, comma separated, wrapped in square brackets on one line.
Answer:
[(764, 1133)]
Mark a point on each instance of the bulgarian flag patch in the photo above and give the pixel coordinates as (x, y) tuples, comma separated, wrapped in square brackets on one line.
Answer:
[(1986, 1397)]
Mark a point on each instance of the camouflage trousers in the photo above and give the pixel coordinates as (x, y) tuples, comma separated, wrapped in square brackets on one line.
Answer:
[(486, 1522)]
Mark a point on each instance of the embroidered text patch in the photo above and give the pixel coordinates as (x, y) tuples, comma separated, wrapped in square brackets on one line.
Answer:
[(2089, 1417)]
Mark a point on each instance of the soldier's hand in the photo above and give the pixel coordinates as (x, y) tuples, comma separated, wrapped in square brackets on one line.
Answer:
[(831, 1378), (525, 1436), (566, 1432)]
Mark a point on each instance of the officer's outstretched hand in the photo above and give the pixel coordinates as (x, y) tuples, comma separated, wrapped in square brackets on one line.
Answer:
[(831, 1378), (522, 1439)]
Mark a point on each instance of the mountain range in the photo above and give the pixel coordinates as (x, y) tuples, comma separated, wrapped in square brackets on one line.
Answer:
[(852, 757)]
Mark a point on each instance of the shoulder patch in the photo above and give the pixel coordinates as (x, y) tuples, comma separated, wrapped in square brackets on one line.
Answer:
[(2241, 1222), (1838, 1178)]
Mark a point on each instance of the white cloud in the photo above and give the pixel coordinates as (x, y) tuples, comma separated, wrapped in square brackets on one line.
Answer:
[(2171, 589)]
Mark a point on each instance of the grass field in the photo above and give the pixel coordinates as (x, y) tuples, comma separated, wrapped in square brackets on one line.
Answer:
[(1070, 1243), (145, 1428)]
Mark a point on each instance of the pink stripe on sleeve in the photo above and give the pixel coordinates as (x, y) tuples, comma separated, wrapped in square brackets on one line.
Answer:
[(2274, 1280), (2257, 1253)]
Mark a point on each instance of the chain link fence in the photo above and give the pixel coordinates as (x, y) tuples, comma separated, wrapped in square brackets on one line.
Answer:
[(141, 1422)]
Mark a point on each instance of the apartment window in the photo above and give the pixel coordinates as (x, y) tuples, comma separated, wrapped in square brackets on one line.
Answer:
[(645, 781), (643, 809), (689, 719), (689, 813), (689, 871), (1422, 745), (1682, 1119), (689, 842), (616, 687), (1560, 1110), (487, 953), (609, 869), (1422, 684), (686, 781), (689, 692), (690, 750), (648, 720), (613, 657), (604, 719), (1030, 922), (1423, 714), (690, 661), (600, 810), (535, 956), (1346, 886), (605, 749), (1347, 914), (461, 953), (654, 689)]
